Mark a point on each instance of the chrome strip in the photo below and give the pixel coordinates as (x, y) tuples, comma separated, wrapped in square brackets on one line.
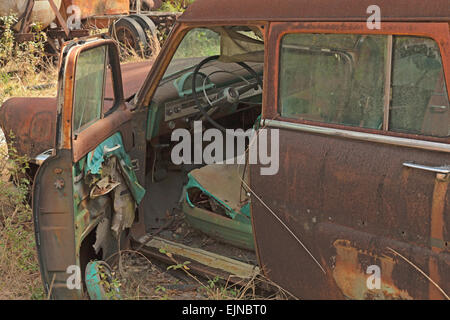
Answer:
[(39, 160), (442, 169), (396, 141)]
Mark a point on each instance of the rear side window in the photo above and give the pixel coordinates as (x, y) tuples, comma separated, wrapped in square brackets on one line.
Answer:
[(419, 97), (341, 79), (333, 78)]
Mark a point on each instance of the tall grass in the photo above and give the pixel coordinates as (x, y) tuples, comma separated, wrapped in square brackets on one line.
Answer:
[(23, 70), (23, 67), (19, 270)]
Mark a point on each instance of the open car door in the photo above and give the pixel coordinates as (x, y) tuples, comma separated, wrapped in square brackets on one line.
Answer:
[(73, 197)]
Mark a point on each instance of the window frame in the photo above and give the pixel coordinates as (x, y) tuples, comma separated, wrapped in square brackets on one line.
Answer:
[(277, 30)]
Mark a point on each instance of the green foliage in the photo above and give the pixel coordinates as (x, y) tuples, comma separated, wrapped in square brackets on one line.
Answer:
[(30, 54), (23, 65), (199, 43), (212, 283), (161, 290), (179, 266), (37, 293), (7, 39), (175, 5), (110, 283)]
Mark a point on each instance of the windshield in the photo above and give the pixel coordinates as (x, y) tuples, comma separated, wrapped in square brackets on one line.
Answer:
[(232, 44)]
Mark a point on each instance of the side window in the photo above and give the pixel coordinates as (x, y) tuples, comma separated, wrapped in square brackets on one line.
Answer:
[(333, 78), (340, 78), (419, 96), (89, 87)]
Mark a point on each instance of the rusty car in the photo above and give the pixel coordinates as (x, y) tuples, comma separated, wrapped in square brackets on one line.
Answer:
[(132, 23), (364, 140)]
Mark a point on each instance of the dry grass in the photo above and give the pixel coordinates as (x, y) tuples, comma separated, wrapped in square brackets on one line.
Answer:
[(23, 72), (143, 279), (19, 270)]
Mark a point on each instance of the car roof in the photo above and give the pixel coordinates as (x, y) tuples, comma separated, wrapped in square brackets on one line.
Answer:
[(315, 10)]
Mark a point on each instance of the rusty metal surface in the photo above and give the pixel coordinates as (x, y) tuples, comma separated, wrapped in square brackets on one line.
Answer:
[(54, 224), (91, 137), (32, 121), (100, 7), (348, 202), (351, 201), (133, 76), (317, 10)]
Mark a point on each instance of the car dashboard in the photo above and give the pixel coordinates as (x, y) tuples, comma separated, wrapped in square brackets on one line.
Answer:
[(175, 95)]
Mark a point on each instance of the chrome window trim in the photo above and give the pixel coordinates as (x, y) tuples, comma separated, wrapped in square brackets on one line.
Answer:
[(362, 136)]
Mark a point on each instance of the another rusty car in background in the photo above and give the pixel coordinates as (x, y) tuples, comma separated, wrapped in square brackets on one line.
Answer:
[(364, 125), (131, 22)]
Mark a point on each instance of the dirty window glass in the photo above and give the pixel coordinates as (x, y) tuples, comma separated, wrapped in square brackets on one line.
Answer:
[(89, 83), (231, 43), (199, 42), (333, 78), (419, 96)]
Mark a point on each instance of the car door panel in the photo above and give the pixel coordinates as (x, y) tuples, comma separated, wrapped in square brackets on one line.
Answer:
[(349, 199), (65, 214), (91, 137), (54, 223), (343, 194)]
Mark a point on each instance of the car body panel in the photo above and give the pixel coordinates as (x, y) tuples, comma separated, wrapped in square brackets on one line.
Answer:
[(32, 122), (54, 224), (319, 10), (100, 7), (65, 214), (346, 199)]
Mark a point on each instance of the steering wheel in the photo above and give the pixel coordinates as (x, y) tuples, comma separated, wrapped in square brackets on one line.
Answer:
[(229, 94)]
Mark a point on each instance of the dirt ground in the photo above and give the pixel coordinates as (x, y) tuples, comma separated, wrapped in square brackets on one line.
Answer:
[(143, 279)]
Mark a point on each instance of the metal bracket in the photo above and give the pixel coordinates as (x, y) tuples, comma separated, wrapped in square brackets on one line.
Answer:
[(59, 17)]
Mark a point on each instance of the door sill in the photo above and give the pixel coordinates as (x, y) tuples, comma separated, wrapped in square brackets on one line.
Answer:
[(202, 262)]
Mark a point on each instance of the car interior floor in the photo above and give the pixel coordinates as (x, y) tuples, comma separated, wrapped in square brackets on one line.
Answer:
[(166, 186)]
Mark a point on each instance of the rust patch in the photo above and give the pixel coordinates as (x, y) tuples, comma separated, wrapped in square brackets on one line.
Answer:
[(350, 274), (100, 7), (437, 231)]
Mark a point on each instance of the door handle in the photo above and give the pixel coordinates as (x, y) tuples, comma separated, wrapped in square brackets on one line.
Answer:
[(108, 150), (442, 170)]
